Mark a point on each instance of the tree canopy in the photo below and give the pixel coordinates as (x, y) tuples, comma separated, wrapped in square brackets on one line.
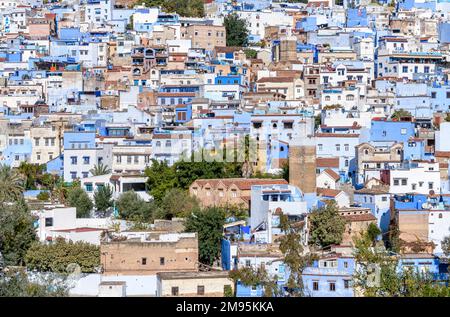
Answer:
[(11, 184), (326, 225), (132, 207), (16, 232), (103, 199), (236, 30), (185, 8), (208, 223), (77, 197), (177, 203), (57, 256)]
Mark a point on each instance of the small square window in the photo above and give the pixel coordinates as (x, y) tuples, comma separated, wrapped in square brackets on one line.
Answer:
[(175, 291), (144, 261), (200, 290), (48, 222), (161, 261)]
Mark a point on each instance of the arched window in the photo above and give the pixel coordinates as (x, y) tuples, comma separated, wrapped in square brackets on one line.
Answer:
[(350, 98), (327, 98)]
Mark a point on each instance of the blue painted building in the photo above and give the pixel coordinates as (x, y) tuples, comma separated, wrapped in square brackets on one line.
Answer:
[(329, 277), (388, 130)]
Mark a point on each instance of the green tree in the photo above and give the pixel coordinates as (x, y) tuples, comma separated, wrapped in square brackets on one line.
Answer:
[(294, 257), (401, 113), (185, 8), (373, 231), (236, 30), (103, 199), (161, 178), (100, 169), (317, 121), (249, 53), (326, 225), (32, 173), (285, 171), (15, 283), (177, 203), (77, 197), (43, 195), (16, 232), (132, 207), (11, 184), (379, 274), (208, 223), (57, 256), (254, 277)]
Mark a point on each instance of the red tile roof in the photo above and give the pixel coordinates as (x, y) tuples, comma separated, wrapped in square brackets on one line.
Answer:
[(333, 174)]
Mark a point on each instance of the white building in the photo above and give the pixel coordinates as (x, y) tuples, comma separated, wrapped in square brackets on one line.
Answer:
[(268, 202), (438, 227), (417, 177)]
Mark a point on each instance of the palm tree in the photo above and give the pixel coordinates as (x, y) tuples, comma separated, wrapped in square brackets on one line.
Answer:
[(11, 184), (100, 169)]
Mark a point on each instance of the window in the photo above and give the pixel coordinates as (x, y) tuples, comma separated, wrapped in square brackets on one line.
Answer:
[(73, 175), (48, 222), (405, 69), (332, 286), (338, 147), (426, 69), (396, 182), (384, 198), (168, 143), (346, 163), (430, 185), (346, 284), (36, 141), (350, 98), (136, 159), (128, 159), (247, 263), (85, 174), (119, 159), (347, 147), (161, 261), (174, 291), (404, 181), (345, 264), (200, 290), (73, 160), (144, 261), (315, 285), (86, 160), (320, 147), (89, 187)]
